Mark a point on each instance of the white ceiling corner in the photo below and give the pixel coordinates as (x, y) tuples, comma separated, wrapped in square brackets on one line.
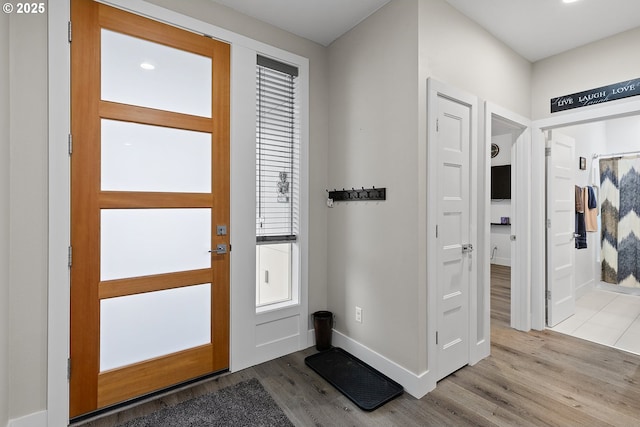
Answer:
[(321, 21), (535, 29)]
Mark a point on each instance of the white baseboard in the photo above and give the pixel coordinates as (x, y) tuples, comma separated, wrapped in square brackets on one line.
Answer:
[(414, 384), (584, 288), (37, 419), (311, 338)]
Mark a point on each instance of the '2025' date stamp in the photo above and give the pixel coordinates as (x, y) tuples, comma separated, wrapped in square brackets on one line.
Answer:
[(24, 8)]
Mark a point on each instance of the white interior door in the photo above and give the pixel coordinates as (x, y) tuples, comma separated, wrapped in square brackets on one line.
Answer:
[(560, 227), (454, 248)]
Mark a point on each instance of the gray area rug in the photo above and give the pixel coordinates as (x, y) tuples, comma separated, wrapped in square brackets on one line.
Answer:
[(244, 404)]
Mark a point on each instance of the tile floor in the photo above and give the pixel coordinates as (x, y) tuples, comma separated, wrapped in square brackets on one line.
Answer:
[(607, 318)]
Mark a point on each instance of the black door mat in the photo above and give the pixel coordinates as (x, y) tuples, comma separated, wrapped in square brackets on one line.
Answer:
[(363, 385)]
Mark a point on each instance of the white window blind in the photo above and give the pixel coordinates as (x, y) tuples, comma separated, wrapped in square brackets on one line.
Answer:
[(277, 152)]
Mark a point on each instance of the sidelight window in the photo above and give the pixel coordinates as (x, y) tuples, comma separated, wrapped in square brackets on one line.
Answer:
[(277, 182)]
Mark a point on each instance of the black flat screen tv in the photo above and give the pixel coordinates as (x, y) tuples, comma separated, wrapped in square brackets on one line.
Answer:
[(501, 182)]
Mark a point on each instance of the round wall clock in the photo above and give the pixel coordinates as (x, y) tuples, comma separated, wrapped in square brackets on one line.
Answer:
[(494, 150)]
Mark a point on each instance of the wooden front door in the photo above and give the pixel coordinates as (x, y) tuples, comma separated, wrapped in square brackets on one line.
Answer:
[(149, 206)]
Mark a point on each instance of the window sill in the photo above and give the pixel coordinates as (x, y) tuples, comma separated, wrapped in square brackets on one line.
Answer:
[(276, 306)]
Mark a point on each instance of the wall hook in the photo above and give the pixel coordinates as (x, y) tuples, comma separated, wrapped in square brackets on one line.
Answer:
[(361, 194)]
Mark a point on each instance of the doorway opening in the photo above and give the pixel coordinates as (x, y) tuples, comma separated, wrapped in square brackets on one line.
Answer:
[(606, 313), (507, 136)]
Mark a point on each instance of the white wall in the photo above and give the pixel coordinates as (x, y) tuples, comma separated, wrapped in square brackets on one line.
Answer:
[(28, 214), (605, 62), (590, 139), (500, 234), (4, 218), (623, 134)]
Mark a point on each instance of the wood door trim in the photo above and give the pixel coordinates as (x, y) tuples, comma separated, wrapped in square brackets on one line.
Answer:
[(145, 200), (156, 282), (85, 173), (157, 32), (220, 296), (145, 377), (151, 116)]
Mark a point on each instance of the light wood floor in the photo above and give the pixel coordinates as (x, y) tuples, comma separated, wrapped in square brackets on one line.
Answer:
[(530, 379)]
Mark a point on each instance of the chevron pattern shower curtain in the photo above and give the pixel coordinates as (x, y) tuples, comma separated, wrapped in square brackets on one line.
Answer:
[(620, 217)]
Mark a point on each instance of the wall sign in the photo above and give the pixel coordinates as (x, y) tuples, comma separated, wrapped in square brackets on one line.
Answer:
[(596, 96)]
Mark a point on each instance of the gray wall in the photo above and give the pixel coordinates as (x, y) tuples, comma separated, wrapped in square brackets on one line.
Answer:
[(378, 74), (607, 61), (4, 217), (373, 122), (459, 52), (28, 214)]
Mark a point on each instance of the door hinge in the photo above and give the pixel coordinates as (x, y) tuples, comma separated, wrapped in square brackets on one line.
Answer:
[(436, 337), (69, 368), (437, 125), (70, 144), (69, 31), (70, 257), (547, 152), (548, 223), (548, 294), (436, 231)]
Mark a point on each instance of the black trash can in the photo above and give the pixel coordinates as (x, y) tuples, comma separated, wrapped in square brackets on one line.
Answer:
[(322, 324)]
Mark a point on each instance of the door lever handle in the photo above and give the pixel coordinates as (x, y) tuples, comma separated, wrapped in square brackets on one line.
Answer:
[(467, 248), (220, 249)]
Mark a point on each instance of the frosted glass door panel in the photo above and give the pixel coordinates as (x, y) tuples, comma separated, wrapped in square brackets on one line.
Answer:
[(139, 157), (147, 74), (139, 327), (141, 242)]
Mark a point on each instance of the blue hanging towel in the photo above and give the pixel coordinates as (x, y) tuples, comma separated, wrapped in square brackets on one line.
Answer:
[(581, 230), (593, 203)]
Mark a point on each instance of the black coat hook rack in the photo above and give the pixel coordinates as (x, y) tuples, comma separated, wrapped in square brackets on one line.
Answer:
[(354, 194)]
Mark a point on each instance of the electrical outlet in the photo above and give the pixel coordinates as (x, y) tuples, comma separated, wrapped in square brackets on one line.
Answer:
[(358, 314)]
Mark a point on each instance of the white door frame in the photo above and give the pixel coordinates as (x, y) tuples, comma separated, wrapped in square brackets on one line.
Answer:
[(478, 314), (521, 203), (599, 112)]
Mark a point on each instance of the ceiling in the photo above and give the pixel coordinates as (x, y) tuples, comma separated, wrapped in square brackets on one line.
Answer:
[(535, 29), (321, 21)]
